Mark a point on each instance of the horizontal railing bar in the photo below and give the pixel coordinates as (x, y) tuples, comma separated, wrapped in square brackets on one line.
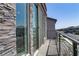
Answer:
[(68, 47), (68, 42), (64, 35)]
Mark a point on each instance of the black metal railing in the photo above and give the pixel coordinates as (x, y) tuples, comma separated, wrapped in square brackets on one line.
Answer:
[(67, 46)]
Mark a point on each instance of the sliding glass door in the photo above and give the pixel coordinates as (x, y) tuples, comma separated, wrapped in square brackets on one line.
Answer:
[(35, 27), (21, 27)]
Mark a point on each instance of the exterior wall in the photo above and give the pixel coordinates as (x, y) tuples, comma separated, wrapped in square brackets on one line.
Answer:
[(41, 31), (7, 29), (51, 24), (51, 33), (42, 25)]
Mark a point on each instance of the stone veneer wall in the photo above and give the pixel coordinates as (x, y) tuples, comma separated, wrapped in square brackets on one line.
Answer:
[(7, 29)]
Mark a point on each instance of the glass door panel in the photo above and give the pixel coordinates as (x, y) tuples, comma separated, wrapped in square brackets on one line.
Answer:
[(34, 27), (20, 26)]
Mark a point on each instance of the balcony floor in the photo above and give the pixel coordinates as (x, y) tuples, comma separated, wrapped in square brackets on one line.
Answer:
[(48, 49), (52, 49)]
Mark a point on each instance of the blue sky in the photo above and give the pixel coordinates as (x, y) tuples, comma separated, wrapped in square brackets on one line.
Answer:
[(66, 14)]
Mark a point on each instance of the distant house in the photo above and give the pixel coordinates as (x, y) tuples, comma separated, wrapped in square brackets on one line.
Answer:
[(51, 33)]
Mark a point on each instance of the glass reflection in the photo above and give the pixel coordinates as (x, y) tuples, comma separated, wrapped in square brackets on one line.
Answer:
[(20, 28), (34, 27)]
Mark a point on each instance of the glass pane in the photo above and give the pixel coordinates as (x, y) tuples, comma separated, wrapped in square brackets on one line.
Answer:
[(20, 27), (34, 27), (26, 29)]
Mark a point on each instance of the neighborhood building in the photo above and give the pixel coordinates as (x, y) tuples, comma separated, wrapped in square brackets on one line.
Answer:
[(51, 32)]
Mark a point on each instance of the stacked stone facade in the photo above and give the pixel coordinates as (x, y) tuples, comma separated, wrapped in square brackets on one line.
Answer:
[(7, 29)]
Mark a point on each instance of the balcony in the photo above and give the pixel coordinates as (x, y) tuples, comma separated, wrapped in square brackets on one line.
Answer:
[(64, 45), (67, 45)]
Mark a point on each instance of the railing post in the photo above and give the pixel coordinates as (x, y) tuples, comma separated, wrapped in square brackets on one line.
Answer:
[(74, 49), (59, 45)]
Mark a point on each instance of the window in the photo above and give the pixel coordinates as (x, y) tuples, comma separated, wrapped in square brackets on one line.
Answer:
[(21, 27), (34, 27)]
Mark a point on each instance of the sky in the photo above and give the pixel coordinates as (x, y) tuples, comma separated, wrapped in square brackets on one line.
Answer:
[(65, 13)]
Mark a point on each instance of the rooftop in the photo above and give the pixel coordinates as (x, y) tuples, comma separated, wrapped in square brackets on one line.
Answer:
[(52, 19)]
